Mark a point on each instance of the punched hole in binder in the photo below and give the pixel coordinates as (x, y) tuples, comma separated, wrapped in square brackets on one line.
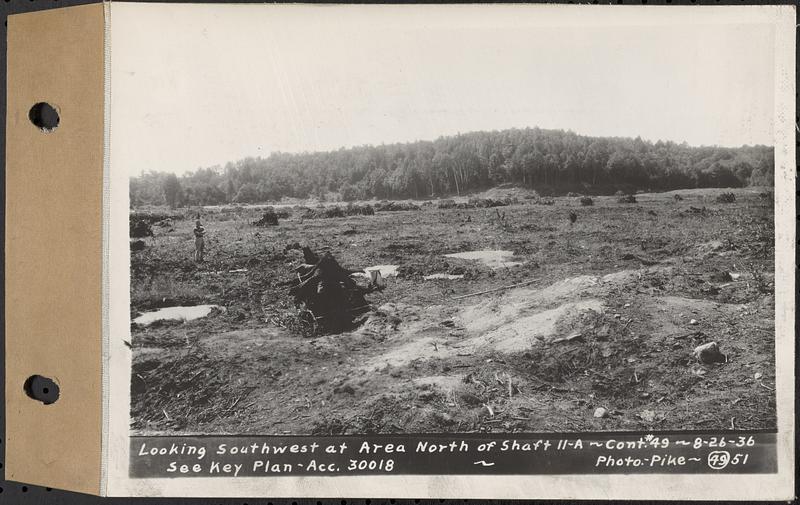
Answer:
[(42, 389), (44, 116)]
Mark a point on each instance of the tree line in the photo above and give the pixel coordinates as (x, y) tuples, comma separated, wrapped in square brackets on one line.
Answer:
[(550, 161)]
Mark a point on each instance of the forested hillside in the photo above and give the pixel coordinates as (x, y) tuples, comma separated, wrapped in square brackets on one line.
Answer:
[(549, 161)]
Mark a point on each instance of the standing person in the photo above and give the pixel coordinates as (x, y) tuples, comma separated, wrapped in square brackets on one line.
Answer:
[(199, 242)]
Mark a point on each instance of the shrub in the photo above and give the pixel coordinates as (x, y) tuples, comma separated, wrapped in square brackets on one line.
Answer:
[(482, 203), (359, 210), (627, 199), (726, 198), (586, 201), (336, 211), (385, 206)]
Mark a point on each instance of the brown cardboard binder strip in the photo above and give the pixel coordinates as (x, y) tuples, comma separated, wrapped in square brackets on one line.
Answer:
[(54, 214)]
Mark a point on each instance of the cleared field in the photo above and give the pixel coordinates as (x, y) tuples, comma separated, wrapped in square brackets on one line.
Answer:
[(610, 310)]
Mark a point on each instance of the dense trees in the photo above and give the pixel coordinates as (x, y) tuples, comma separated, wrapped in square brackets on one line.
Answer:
[(550, 161), (172, 190)]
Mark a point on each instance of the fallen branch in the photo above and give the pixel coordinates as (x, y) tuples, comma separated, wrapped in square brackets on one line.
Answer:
[(566, 339), (678, 337), (234, 403), (765, 386), (496, 289)]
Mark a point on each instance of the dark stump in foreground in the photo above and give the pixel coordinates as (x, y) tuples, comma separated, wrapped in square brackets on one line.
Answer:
[(327, 291)]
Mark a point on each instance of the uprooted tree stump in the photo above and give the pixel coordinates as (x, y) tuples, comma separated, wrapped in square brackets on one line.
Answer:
[(140, 228), (726, 198), (270, 218), (326, 290)]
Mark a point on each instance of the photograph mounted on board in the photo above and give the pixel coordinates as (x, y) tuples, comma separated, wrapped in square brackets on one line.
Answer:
[(393, 222)]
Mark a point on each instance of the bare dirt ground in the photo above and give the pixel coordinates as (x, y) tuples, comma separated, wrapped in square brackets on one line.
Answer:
[(611, 309)]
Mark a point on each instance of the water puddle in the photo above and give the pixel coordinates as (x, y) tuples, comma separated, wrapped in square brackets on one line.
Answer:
[(385, 270), (492, 259), (175, 314), (443, 382), (449, 277)]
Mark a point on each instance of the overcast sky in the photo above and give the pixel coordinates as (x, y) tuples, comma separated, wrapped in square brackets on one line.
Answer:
[(198, 85)]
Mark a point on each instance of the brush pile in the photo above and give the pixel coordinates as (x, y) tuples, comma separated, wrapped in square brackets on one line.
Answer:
[(726, 198), (337, 211), (140, 228), (483, 203), (326, 291), (270, 218), (387, 206)]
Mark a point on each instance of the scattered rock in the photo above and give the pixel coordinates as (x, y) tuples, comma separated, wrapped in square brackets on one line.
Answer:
[(607, 353), (602, 333), (426, 395), (709, 353), (600, 413), (444, 417), (694, 322), (648, 416), (758, 376), (721, 277), (345, 389), (713, 246)]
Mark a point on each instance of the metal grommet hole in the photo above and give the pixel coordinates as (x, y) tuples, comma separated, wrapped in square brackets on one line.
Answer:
[(44, 116), (42, 389)]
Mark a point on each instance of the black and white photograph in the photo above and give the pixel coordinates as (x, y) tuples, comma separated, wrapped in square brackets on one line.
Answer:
[(400, 224), (401, 251)]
